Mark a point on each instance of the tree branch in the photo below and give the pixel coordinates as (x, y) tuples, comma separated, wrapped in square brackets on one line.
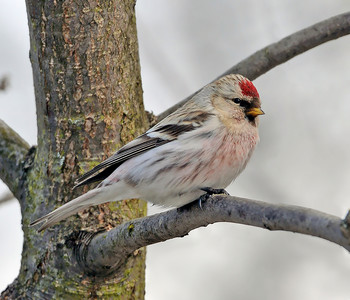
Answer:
[(13, 150), (105, 252), (277, 53), (4, 83), (6, 197)]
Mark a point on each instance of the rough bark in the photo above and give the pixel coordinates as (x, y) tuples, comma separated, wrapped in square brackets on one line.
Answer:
[(88, 94)]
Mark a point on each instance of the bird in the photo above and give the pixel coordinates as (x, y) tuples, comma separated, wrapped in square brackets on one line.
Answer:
[(197, 150)]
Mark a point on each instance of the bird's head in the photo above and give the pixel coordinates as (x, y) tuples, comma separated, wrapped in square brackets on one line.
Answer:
[(235, 98)]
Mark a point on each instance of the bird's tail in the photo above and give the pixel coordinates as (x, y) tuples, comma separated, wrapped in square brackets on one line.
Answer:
[(93, 197)]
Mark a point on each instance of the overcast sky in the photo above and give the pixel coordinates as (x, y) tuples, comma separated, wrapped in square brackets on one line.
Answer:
[(303, 157)]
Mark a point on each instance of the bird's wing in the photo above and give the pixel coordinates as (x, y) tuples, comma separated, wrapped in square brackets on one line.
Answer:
[(162, 133), (104, 169)]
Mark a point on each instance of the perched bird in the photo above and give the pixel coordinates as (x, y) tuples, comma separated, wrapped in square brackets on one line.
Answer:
[(201, 147)]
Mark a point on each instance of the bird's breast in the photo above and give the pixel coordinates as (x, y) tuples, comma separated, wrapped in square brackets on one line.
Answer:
[(230, 154)]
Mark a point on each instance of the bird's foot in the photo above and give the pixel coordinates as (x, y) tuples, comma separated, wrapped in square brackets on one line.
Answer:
[(196, 202), (202, 199), (210, 191)]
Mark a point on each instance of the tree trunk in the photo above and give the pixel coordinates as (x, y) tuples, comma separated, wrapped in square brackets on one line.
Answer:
[(88, 93)]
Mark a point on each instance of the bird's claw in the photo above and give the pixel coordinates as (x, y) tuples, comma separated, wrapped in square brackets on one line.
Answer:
[(210, 191), (203, 198)]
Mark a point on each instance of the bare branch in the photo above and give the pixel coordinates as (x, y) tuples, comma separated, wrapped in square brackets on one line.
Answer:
[(4, 83), (6, 197), (277, 53), (105, 252), (13, 150)]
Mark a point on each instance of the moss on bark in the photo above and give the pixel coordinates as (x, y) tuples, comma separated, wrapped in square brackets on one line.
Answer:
[(88, 93)]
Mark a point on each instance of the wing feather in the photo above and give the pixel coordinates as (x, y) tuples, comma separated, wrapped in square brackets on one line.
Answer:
[(162, 133), (113, 162)]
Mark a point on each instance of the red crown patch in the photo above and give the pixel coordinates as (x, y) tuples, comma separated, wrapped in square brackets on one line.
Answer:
[(248, 89)]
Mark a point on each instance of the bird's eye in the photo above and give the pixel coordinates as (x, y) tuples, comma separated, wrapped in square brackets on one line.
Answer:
[(237, 100)]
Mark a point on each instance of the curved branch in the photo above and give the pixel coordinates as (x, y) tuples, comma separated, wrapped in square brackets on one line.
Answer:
[(6, 197), (13, 150), (277, 53), (105, 252)]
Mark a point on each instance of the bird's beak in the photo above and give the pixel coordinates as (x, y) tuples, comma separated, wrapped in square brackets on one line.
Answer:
[(254, 112)]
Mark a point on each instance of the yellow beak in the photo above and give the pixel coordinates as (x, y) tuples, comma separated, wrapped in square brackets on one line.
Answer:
[(254, 111)]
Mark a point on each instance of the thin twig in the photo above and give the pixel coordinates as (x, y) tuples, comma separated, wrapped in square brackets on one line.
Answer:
[(6, 197), (277, 53), (4, 83)]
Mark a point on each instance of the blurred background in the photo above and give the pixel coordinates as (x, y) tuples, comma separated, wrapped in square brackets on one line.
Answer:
[(303, 157)]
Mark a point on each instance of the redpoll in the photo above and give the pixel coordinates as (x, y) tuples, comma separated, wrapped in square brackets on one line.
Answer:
[(203, 145)]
